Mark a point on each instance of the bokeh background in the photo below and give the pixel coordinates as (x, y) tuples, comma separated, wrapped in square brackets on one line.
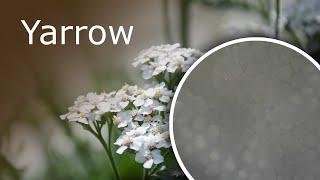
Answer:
[(37, 83)]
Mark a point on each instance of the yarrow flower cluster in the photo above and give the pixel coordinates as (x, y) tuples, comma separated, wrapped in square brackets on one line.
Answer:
[(141, 115), (170, 58)]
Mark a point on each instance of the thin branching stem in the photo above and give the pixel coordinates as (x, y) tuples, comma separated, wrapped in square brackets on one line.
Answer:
[(166, 21), (110, 125), (277, 21), (184, 21), (145, 174), (98, 134)]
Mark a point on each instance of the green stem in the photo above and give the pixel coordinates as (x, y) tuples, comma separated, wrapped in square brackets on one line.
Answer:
[(110, 125), (166, 20), (170, 81), (107, 148), (109, 153), (277, 22), (184, 20), (145, 174)]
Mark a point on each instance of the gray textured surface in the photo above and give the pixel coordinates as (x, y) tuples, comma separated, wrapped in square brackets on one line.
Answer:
[(250, 111)]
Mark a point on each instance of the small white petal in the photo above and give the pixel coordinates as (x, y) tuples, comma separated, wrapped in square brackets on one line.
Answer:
[(159, 70), (139, 157), (164, 99), (138, 102), (147, 74), (148, 164), (122, 124), (122, 149), (119, 141), (135, 146), (73, 116), (139, 118), (103, 106), (157, 118), (85, 108), (172, 68), (150, 92), (160, 108), (148, 102), (64, 116), (158, 158), (124, 104), (145, 110), (83, 120)]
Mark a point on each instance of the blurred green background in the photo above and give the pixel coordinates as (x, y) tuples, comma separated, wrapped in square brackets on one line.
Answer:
[(39, 82)]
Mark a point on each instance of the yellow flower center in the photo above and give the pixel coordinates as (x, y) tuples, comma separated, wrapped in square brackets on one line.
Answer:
[(157, 129), (148, 118), (126, 87), (127, 142), (116, 120), (152, 144), (158, 93), (124, 98), (134, 112)]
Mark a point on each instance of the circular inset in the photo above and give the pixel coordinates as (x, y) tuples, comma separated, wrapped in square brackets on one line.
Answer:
[(249, 109)]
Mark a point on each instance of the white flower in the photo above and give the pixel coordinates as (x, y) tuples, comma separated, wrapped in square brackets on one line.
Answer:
[(126, 141), (144, 99), (175, 64), (162, 93), (149, 157), (122, 99), (159, 127), (153, 69), (122, 118), (150, 141), (157, 106)]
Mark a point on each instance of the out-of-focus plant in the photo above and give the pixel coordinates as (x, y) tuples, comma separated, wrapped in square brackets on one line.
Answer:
[(303, 24), (298, 23), (140, 114), (262, 7), (7, 170)]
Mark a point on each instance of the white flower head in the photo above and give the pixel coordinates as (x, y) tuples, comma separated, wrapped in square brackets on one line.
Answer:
[(170, 58), (139, 113), (145, 99), (86, 108)]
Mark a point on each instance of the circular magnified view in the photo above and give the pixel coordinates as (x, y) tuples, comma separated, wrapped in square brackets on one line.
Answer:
[(250, 111)]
